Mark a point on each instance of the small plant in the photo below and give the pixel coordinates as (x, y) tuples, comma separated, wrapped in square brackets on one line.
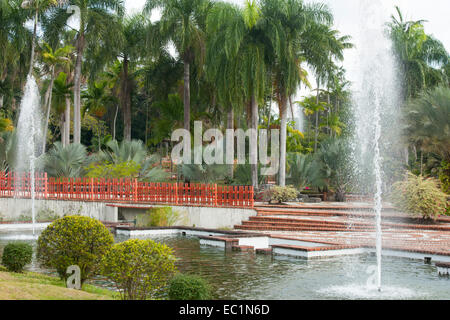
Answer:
[(158, 217), (419, 196), (16, 256), (139, 268), (74, 240), (280, 194), (189, 287), (129, 169)]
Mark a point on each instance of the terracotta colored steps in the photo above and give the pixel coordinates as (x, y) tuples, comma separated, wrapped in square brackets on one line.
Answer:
[(352, 225), (260, 227)]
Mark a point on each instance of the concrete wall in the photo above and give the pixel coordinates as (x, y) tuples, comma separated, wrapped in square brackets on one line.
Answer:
[(201, 217), (12, 209)]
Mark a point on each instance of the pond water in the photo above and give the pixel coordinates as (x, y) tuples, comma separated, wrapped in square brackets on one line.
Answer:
[(235, 275)]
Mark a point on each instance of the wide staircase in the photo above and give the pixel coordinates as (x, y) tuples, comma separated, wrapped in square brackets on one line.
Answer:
[(331, 218)]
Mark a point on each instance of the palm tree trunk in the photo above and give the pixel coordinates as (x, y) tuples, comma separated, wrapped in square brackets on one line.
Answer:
[(316, 137), (230, 126), (126, 101), (49, 105), (187, 96), (62, 129), (77, 91), (33, 41), (67, 123), (283, 136), (115, 122), (254, 142)]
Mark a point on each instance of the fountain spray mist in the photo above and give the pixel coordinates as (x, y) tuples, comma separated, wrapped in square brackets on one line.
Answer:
[(29, 137), (376, 101)]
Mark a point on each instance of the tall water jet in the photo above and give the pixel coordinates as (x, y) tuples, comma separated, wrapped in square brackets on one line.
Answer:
[(29, 137), (376, 101)]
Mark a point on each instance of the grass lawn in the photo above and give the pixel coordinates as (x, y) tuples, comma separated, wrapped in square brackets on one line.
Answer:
[(34, 286)]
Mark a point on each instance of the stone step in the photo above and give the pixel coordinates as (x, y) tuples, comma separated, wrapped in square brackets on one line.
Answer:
[(259, 227), (305, 225)]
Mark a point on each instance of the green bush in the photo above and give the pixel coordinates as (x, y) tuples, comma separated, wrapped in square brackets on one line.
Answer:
[(74, 240), (158, 217), (444, 176), (189, 287), (139, 268), (16, 256), (129, 169), (419, 196), (280, 194)]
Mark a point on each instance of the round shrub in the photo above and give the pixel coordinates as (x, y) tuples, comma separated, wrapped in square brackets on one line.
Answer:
[(139, 268), (16, 256), (74, 240), (419, 197), (189, 287), (280, 194)]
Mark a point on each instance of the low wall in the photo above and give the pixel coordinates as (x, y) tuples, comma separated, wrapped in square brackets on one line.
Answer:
[(201, 217), (12, 209)]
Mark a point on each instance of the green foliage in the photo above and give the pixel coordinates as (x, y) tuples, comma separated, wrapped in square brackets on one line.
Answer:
[(204, 173), (444, 176), (139, 268), (336, 158), (419, 197), (67, 162), (189, 287), (74, 240), (158, 217), (134, 152), (16, 256), (427, 123), (243, 175), (128, 169), (280, 194), (305, 171)]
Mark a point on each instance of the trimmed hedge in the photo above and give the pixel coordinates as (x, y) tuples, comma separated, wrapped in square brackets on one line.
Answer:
[(189, 287), (16, 256), (74, 240), (140, 269)]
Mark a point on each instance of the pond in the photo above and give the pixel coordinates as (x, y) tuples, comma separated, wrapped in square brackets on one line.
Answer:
[(236, 275)]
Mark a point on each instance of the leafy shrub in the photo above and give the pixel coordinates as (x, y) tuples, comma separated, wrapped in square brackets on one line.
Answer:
[(444, 176), (129, 169), (305, 171), (139, 268), (419, 197), (280, 194), (16, 256), (189, 287), (158, 217), (74, 240), (67, 162)]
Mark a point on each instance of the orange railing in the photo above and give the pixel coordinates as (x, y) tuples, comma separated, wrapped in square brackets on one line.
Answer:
[(124, 190)]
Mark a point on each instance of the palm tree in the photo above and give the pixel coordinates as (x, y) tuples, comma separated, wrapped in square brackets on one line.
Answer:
[(37, 7), (67, 162), (304, 171), (427, 122), (287, 22), (98, 35), (62, 91), (244, 44), (133, 30), (419, 54), (183, 23), (322, 46), (52, 59)]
